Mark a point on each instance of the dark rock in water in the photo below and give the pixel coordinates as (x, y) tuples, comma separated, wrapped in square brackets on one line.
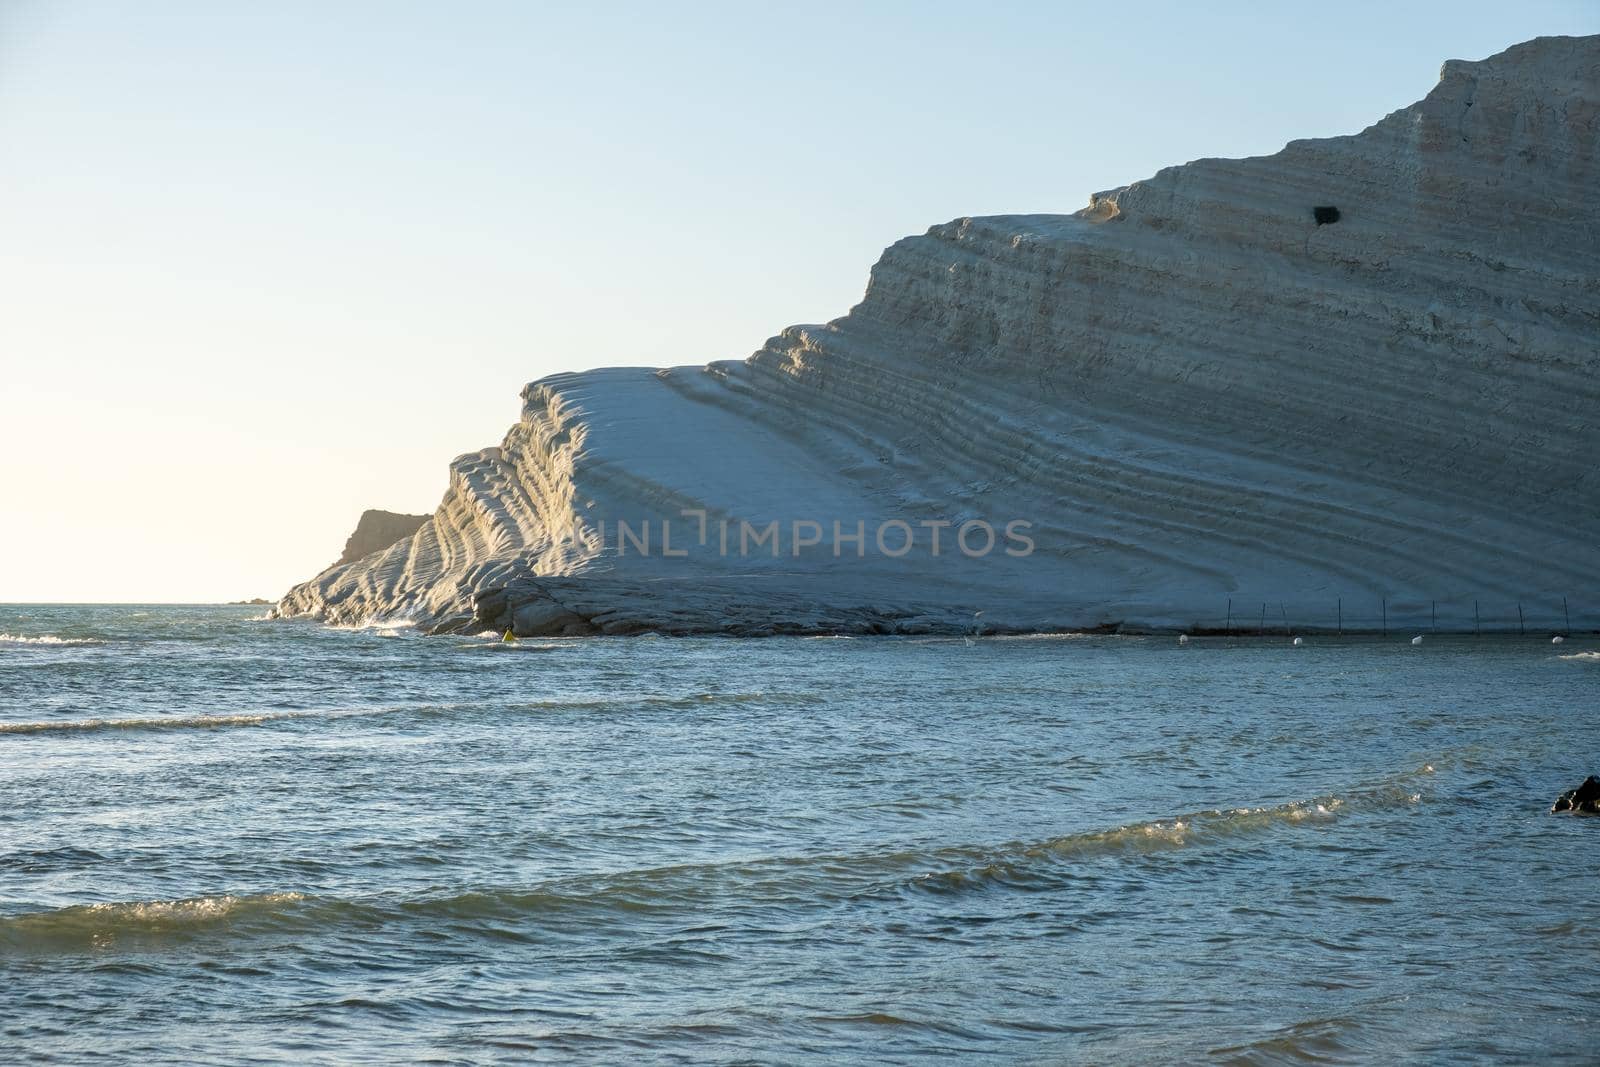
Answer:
[(1584, 800)]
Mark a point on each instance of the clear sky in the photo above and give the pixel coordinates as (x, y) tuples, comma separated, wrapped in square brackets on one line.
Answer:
[(264, 265)]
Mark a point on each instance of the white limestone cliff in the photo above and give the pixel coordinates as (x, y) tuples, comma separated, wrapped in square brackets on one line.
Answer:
[(1192, 390)]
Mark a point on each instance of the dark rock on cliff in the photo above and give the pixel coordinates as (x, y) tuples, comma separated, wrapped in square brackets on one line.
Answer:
[(376, 531)]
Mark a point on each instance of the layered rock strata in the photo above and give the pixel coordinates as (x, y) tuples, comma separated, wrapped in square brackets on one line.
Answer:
[(1359, 372)]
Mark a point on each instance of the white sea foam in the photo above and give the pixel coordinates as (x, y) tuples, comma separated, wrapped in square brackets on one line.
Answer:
[(47, 639), (374, 625), (1581, 655), (176, 912)]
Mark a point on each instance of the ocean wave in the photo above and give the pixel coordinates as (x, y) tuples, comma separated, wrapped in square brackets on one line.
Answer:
[(205, 722), (173, 722), (806, 881), (1327, 1040), (263, 718), (656, 701), (1055, 636), (39, 860), (1581, 655), (104, 925), (1020, 863), (50, 640), (499, 646)]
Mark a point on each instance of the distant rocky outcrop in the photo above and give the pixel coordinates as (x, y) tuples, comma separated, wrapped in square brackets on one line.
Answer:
[(376, 531), (1584, 800), (1364, 368)]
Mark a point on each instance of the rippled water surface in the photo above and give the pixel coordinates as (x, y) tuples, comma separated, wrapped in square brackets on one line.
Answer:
[(227, 839)]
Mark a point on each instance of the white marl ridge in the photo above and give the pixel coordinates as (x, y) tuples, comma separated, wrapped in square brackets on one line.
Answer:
[(1191, 389)]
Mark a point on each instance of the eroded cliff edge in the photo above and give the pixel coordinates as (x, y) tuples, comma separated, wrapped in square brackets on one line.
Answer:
[(1200, 387)]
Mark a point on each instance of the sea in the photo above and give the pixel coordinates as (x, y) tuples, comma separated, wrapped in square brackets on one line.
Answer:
[(225, 839)]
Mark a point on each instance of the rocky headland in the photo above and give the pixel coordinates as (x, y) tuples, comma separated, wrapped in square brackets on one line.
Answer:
[(1361, 370)]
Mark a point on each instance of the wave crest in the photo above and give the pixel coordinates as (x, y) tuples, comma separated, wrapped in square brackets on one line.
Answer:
[(213, 722), (1023, 863), (101, 926), (50, 640), (175, 722), (802, 881)]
